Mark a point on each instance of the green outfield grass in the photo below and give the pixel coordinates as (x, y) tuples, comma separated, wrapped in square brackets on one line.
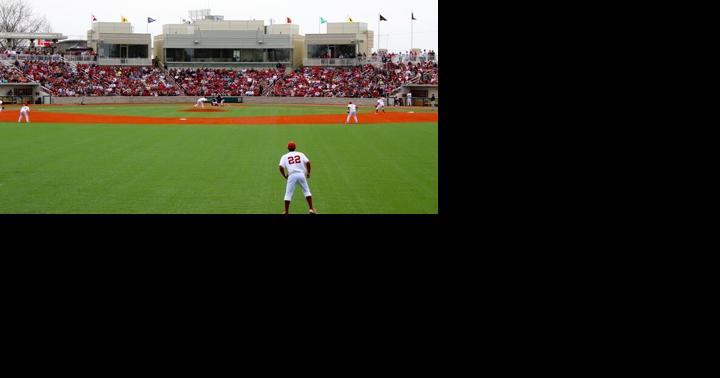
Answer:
[(217, 169)]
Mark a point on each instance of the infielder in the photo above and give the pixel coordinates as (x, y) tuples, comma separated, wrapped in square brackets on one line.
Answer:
[(352, 112), (298, 172), (201, 102), (24, 112), (380, 105)]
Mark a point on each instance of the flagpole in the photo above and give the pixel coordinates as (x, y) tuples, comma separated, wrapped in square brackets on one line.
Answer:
[(412, 23), (378, 36)]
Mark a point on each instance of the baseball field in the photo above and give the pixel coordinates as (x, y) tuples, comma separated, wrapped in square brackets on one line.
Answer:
[(176, 159)]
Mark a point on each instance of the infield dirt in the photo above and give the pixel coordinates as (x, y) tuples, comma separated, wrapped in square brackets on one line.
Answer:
[(330, 119)]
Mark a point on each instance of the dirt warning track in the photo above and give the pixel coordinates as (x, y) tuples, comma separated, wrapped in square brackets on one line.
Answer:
[(331, 119)]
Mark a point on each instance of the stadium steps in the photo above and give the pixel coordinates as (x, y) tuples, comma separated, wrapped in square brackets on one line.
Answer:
[(267, 89), (11, 66), (171, 80), (71, 63)]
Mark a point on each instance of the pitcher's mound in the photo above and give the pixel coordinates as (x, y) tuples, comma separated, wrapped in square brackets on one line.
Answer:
[(206, 110)]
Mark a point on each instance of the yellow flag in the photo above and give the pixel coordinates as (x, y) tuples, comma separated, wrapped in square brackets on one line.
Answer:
[(123, 19), (350, 19)]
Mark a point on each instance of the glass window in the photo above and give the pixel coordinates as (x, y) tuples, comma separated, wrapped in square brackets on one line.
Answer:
[(109, 51), (277, 55), (138, 51), (331, 51), (228, 55), (119, 51), (179, 55)]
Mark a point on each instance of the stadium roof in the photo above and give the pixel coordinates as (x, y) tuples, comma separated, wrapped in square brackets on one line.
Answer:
[(46, 36)]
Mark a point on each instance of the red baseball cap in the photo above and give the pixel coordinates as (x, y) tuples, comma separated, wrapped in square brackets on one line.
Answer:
[(292, 146)]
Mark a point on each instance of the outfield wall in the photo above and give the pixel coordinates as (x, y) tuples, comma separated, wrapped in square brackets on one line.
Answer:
[(191, 100)]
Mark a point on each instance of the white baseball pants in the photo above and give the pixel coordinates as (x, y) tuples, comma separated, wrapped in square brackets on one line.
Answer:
[(294, 180)]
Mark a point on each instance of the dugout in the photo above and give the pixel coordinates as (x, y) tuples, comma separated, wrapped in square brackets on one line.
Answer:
[(421, 94), (233, 100), (23, 93)]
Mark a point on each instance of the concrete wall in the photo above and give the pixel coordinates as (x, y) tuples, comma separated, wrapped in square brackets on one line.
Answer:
[(223, 39), (229, 25), (346, 27), (112, 27), (291, 29), (191, 100), (298, 51)]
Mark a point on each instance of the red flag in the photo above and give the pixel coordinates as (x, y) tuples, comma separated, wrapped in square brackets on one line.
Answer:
[(289, 20)]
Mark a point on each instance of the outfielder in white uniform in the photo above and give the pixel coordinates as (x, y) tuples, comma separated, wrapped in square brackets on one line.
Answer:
[(201, 102), (352, 112), (24, 112), (409, 99), (298, 172), (380, 105), (1, 107)]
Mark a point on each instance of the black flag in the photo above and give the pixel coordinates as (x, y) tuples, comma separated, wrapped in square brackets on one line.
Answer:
[(413, 16), (382, 18)]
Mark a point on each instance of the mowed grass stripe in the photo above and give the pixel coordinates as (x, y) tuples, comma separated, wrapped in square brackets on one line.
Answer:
[(144, 169)]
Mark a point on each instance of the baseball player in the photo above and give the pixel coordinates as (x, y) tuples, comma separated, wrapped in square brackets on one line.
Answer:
[(380, 105), (24, 112), (201, 102), (409, 99), (219, 101), (1, 107), (352, 112), (298, 172)]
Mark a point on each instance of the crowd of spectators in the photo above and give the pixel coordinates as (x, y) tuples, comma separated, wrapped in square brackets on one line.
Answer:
[(224, 82), (65, 80), (366, 81), (11, 74)]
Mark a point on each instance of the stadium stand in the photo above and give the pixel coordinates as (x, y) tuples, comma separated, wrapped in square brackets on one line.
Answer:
[(64, 79)]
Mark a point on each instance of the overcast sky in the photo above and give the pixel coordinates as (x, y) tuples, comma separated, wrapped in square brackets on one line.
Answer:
[(72, 17)]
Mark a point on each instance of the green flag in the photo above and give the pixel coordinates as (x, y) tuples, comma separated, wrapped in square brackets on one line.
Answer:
[(323, 21)]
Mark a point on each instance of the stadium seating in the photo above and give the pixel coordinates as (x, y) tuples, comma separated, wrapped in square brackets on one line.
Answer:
[(368, 81), (66, 80)]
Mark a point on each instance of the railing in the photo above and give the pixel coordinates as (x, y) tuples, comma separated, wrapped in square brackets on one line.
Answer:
[(331, 62), (36, 58), (80, 58), (47, 58), (234, 65), (124, 62), (404, 59)]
